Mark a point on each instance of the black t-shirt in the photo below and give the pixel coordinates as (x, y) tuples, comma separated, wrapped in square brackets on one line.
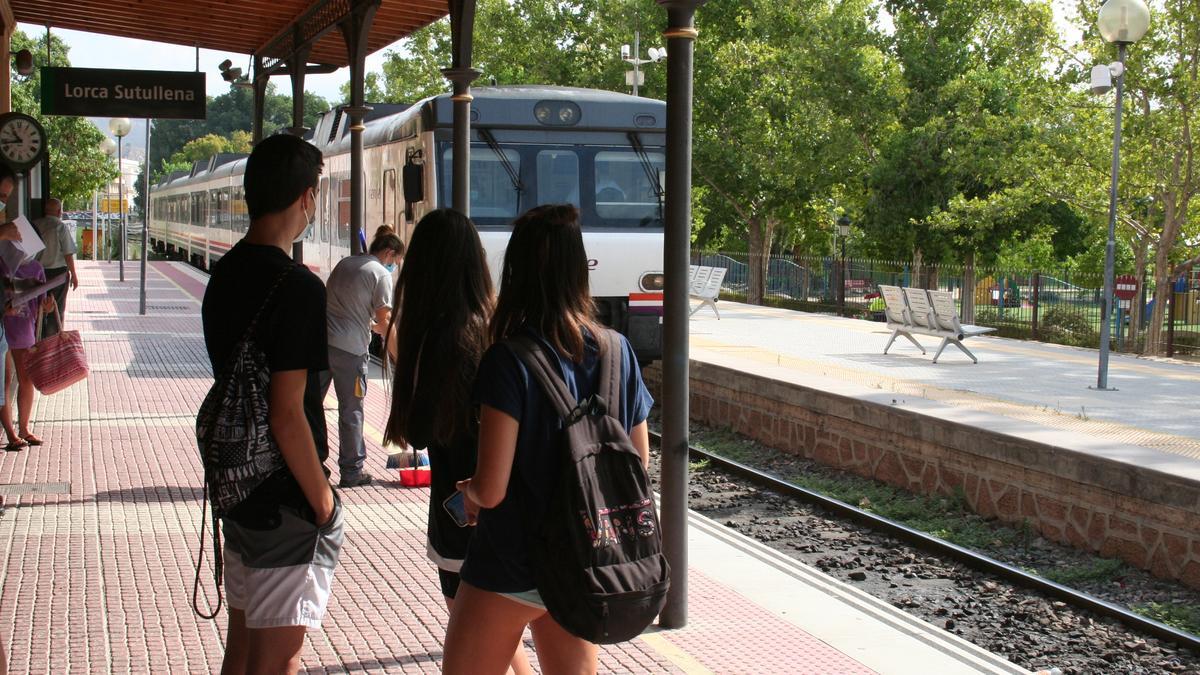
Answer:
[(291, 333)]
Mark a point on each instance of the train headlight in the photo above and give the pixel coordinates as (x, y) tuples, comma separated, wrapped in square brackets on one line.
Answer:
[(652, 281), (557, 113)]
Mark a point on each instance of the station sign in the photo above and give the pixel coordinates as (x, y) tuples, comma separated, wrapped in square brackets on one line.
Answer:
[(1125, 287), (105, 92)]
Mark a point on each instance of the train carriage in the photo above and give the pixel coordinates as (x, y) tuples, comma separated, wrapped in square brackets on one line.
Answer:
[(531, 145)]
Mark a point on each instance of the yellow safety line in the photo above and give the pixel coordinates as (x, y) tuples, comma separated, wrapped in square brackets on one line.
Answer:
[(670, 651)]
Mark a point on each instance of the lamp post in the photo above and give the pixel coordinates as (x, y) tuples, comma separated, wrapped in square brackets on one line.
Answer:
[(108, 148), (1123, 22), (120, 126), (635, 77), (843, 231)]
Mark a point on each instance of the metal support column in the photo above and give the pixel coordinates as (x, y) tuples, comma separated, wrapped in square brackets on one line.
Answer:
[(461, 75), (462, 79), (260, 100), (355, 29), (681, 36), (1111, 246), (145, 227), (297, 68)]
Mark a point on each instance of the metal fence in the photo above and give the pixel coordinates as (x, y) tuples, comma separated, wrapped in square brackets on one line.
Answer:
[(1047, 305)]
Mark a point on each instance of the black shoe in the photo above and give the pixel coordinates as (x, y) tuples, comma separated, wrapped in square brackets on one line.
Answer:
[(355, 481)]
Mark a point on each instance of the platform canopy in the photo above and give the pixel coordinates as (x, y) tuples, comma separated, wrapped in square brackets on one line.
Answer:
[(240, 26)]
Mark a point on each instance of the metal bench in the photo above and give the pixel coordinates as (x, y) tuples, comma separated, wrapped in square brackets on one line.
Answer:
[(706, 286), (916, 310), (945, 314)]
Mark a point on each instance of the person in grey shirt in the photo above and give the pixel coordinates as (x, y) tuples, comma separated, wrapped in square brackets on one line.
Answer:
[(58, 258), (359, 300)]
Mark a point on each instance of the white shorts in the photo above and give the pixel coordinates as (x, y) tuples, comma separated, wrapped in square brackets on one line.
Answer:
[(282, 576)]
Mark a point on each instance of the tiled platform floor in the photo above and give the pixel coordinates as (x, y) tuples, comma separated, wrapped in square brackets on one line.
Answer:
[(99, 579)]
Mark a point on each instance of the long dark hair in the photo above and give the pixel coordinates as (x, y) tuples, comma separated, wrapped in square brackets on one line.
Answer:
[(544, 282), (443, 300)]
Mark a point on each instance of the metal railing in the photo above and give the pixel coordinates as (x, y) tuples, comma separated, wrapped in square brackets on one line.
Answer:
[(1057, 306)]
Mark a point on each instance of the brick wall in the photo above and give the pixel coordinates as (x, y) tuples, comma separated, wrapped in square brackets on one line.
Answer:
[(1145, 517)]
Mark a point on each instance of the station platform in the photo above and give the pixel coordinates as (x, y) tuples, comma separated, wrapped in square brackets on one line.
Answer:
[(100, 531), (1026, 383)]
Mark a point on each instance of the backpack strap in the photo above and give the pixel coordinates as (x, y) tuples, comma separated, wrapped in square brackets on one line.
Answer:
[(266, 301), (610, 371), (551, 381), (536, 361)]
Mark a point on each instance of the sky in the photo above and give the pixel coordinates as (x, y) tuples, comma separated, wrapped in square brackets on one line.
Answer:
[(91, 50)]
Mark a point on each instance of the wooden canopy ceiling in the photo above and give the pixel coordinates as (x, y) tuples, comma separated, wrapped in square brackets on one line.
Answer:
[(241, 26)]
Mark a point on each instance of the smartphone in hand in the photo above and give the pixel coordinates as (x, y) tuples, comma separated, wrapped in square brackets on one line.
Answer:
[(456, 506)]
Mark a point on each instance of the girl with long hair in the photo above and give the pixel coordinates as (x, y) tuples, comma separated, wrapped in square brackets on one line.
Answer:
[(440, 331), (543, 294)]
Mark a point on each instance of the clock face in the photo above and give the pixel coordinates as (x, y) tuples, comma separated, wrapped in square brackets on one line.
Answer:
[(20, 141)]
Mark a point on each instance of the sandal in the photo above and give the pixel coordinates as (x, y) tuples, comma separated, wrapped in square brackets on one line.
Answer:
[(31, 439), (16, 446)]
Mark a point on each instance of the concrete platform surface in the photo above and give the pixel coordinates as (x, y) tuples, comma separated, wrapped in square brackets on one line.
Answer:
[(1020, 385), (100, 530)]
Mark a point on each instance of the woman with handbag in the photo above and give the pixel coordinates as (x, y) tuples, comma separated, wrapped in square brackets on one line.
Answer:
[(440, 329), (19, 327)]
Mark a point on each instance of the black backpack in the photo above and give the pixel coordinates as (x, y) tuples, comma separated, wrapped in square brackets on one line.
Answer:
[(598, 557), (233, 431)]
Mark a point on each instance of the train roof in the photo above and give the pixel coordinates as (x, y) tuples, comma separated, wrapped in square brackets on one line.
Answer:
[(509, 107)]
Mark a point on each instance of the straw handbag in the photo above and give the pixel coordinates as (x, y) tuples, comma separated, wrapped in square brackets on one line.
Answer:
[(56, 362)]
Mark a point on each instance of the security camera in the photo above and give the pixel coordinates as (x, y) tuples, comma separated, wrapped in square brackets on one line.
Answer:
[(657, 54), (624, 51), (1101, 80), (225, 65), (1103, 76)]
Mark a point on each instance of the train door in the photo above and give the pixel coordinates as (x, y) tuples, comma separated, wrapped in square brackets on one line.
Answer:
[(390, 203)]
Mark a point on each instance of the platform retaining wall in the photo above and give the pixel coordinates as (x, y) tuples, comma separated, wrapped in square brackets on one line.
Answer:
[(1145, 517)]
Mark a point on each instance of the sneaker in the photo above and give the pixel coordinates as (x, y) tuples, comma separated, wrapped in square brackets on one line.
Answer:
[(355, 481)]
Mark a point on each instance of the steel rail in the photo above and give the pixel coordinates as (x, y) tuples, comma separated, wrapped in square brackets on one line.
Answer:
[(971, 559)]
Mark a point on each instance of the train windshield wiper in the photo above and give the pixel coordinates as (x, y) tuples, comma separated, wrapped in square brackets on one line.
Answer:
[(515, 177), (648, 167)]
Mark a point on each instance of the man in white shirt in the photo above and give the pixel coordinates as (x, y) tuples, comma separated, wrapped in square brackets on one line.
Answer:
[(58, 258)]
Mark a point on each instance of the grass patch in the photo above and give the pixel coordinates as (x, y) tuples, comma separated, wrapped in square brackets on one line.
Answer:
[(1098, 571), (1183, 617)]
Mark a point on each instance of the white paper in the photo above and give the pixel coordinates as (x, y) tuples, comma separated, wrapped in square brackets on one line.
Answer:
[(31, 243)]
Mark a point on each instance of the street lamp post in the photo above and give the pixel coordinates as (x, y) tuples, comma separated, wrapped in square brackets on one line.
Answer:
[(120, 126), (108, 148), (843, 230), (635, 76), (1123, 22)]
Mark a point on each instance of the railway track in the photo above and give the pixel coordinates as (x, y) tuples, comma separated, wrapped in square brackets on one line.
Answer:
[(1030, 604)]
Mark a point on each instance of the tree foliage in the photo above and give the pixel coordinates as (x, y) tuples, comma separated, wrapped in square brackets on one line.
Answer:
[(77, 165)]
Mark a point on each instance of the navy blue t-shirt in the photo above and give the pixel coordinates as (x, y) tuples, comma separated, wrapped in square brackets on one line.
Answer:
[(498, 557)]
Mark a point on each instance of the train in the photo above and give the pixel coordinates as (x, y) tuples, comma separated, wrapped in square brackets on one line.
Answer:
[(601, 151)]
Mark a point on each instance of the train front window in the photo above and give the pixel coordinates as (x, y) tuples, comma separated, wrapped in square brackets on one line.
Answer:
[(624, 188), (558, 177), (492, 191)]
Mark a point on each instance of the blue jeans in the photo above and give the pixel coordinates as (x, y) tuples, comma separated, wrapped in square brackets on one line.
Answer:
[(348, 374)]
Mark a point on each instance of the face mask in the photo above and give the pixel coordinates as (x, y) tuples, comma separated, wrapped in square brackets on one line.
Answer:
[(3, 206), (390, 267)]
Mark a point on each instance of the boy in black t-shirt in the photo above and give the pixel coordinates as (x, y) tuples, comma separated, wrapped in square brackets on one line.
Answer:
[(282, 542)]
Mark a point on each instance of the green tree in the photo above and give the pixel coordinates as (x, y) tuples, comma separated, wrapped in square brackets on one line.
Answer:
[(77, 166), (792, 107)]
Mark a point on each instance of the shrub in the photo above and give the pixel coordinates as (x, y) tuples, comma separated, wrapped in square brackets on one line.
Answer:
[(1066, 327)]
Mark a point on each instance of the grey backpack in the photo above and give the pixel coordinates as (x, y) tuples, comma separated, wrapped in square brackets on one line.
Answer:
[(598, 558)]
